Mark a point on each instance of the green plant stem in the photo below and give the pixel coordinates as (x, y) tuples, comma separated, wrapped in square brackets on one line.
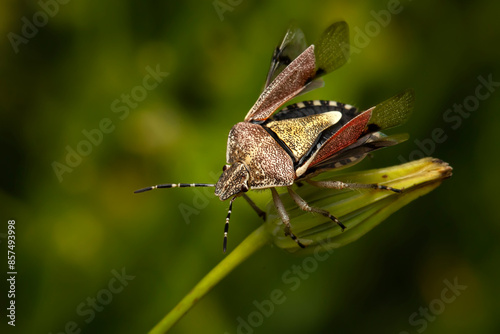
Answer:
[(250, 245)]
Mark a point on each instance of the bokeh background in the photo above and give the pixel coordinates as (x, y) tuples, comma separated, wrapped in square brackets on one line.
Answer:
[(75, 231)]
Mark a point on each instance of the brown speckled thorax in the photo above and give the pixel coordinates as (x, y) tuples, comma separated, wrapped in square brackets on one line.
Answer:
[(266, 162)]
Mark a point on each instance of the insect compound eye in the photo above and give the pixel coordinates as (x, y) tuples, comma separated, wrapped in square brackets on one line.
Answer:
[(225, 167), (244, 188)]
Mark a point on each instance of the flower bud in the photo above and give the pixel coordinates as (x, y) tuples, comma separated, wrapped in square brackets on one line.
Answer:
[(359, 210)]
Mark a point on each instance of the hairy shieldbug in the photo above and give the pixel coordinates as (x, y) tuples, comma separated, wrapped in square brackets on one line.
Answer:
[(303, 139)]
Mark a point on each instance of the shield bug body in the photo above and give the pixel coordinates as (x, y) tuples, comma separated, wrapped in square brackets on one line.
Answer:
[(269, 150)]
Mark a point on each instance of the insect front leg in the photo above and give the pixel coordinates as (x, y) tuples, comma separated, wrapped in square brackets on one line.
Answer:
[(254, 206), (306, 207), (284, 217), (344, 185)]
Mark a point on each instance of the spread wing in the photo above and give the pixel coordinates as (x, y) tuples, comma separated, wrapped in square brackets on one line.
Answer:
[(293, 44), (332, 48), (289, 83), (392, 112), (356, 152), (344, 137), (285, 81), (360, 135)]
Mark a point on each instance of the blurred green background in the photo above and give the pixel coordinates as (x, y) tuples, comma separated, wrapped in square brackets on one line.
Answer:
[(76, 232)]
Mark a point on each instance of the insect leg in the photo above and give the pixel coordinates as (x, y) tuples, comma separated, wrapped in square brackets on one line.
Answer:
[(174, 185), (305, 207), (226, 226), (254, 206), (284, 217), (344, 185)]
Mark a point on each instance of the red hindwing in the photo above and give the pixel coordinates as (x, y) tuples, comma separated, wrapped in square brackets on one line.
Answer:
[(346, 136)]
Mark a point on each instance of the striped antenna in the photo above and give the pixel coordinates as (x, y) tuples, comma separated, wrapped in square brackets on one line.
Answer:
[(174, 185), (226, 226)]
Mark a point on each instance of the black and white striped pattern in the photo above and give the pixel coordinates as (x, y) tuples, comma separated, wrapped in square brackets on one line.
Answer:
[(175, 185), (226, 226), (313, 107)]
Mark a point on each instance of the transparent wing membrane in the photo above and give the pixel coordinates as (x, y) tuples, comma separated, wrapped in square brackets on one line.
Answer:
[(392, 112), (293, 44), (332, 48)]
